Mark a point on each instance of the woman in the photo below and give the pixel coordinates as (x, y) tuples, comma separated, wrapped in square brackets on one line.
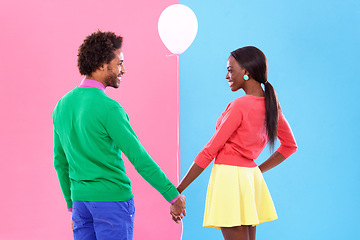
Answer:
[(237, 197)]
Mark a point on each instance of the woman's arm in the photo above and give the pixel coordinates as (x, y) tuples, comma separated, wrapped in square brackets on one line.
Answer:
[(228, 123), (287, 147), (193, 172), (272, 162)]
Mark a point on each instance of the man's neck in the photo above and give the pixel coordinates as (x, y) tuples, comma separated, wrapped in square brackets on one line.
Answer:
[(92, 83), (95, 79)]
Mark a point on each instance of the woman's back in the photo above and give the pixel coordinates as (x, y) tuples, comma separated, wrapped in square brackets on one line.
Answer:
[(249, 139)]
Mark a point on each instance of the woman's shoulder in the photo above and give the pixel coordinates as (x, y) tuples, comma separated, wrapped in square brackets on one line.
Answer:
[(244, 100), (237, 104)]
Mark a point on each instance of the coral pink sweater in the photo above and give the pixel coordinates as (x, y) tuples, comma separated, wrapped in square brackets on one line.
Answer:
[(240, 135)]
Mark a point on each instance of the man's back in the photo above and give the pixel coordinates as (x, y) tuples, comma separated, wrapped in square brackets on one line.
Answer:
[(96, 169)]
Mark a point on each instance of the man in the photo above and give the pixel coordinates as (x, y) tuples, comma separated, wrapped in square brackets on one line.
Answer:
[(90, 132)]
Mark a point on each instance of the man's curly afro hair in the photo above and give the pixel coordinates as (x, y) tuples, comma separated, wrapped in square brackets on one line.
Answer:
[(97, 49)]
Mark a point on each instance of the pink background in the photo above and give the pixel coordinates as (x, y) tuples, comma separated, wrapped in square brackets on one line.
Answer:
[(38, 47)]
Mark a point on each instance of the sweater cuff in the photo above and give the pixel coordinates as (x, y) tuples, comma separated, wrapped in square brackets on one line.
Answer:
[(171, 193), (202, 161), (174, 200), (69, 204), (287, 151)]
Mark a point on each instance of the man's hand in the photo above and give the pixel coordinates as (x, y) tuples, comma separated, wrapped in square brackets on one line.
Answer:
[(177, 209)]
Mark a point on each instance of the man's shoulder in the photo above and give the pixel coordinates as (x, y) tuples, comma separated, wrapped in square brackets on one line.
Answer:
[(77, 97), (69, 95), (110, 103), (64, 98)]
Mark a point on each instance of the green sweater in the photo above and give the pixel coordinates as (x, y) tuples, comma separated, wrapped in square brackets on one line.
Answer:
[(90, 132)]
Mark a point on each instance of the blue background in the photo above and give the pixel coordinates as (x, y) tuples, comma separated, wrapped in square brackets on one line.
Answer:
[(313, 53)]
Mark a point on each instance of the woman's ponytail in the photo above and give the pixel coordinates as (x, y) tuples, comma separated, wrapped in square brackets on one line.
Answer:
[(271, 114)]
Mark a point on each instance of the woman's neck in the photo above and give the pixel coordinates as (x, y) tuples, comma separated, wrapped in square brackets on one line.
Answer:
[(254, 88)]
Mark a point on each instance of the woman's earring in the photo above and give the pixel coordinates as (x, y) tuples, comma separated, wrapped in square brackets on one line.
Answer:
[(246, 77)]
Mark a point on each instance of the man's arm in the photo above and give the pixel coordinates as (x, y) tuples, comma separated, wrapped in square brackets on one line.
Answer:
[(62, 168), (123, 135)]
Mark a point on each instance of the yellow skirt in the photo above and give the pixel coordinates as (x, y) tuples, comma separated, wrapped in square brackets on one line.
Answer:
[(237, 196)]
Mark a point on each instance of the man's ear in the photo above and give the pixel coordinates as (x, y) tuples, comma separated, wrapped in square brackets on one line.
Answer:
[(103, 67)]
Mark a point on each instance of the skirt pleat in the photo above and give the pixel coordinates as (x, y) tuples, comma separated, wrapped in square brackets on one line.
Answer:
[(237, 196)]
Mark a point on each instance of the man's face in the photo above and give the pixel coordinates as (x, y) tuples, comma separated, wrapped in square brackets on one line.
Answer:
[(115, 69)]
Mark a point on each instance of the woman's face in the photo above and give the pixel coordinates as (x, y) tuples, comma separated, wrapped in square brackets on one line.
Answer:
[(235, 74)]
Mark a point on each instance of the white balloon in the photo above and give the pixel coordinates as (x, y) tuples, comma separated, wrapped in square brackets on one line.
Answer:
[(177, 27)]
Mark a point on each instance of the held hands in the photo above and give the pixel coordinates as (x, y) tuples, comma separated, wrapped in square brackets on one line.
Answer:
[(177, 209)]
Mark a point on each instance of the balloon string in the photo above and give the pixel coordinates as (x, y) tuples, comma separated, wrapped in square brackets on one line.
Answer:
[(178, 130), (178, 126), (182, 229), (178, 116), (174, 54)]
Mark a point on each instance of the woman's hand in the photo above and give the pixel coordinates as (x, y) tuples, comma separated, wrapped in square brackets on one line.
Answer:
[(177, 209)]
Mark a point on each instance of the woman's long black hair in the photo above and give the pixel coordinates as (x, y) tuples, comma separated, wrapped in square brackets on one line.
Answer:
[(254, 61)]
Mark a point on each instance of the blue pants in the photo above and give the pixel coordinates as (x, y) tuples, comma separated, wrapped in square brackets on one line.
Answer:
[(103, 220)]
